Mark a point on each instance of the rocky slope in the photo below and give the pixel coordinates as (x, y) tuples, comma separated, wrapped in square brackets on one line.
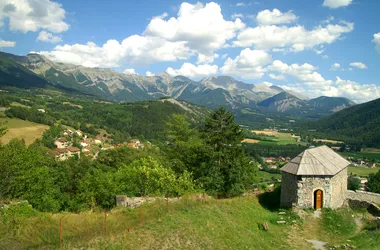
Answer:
[(211, 91)]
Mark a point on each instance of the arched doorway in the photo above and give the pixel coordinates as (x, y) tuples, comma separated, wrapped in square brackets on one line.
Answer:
[(318, 199)]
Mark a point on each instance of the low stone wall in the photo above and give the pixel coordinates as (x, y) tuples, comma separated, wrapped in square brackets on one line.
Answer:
[(125, 201), (363, 196)]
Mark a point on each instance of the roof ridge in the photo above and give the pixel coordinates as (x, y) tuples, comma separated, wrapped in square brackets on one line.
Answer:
[(316, 158)]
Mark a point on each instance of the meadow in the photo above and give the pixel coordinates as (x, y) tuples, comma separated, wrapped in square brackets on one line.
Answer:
[(363, 155), (362, 172), (268, 137), (21, 129)]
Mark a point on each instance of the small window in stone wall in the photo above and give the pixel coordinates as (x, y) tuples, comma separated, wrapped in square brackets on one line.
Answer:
[(299, 177)]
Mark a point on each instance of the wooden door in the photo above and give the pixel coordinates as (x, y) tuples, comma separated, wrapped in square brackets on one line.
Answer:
[(318, 199)]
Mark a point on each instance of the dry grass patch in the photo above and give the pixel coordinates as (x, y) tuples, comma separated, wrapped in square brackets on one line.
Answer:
[(20, 129), (249, 141)]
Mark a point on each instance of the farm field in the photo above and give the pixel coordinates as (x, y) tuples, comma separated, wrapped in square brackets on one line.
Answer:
[(275, 138), (363, 172), (16, 128), (362, 155)]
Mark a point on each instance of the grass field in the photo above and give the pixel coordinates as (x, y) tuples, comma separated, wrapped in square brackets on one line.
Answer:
[(275, 138), (195, 224), (362, 155), (363, 172), (29, 131)]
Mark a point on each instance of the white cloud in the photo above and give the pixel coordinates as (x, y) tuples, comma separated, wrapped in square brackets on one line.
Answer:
[(201, 27), (32, 15), (136, 50), (357, 92), (305, 73), (336, 3), (376, 40), (267, 17), (45, 36), (249, 64), (335, 67), (130, 71), (294, 39), (4, 43), (237, 15), (277, 77), (358, 65), (148, 73), (190, 70)]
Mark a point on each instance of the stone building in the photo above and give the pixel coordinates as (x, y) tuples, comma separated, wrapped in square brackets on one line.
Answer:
[(316, 178)]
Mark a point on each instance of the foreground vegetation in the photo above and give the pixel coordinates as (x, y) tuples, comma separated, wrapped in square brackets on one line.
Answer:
[(191, 223)]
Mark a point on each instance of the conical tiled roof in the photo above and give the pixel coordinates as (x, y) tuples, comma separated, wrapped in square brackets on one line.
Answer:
[(316, 161)]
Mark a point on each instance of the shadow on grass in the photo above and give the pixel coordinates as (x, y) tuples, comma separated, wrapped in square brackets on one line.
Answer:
[(270, 200)]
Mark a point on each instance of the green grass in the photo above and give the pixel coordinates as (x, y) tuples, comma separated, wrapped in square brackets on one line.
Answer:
[(222, 224), (338, 223), (362, 155), (263, 176), (197, 224), (29, 131), (279, 139), (363, 172)]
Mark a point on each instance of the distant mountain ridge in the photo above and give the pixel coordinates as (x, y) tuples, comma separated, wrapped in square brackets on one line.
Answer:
[(210, 91)]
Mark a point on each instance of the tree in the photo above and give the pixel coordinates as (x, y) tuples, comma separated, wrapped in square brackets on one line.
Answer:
[(373, 183), (353, 183), (228, 170)]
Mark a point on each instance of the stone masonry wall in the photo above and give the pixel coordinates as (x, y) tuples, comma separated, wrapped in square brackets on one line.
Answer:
[(363, 196), (308, 185), (288, 189), (339, 189)]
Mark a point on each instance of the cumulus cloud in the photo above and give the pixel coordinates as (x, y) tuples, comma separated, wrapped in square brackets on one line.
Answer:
[(191, 70), (358, 65), (136, 50), (293, 39), (267, 17), (335, 67), (376, 40), (249, 64), (4, 43), (148, 73), (32, 15), (333, 4), (306, 75), (130, 71), (357, 92), (45, 36), (201, 27)]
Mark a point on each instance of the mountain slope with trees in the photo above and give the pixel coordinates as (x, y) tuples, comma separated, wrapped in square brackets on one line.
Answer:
[(358, 125)]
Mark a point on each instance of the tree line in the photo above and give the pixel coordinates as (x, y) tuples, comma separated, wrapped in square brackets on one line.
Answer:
[(207, 156)]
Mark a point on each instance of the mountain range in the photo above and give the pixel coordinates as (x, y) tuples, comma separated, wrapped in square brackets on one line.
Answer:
[(35, 70)]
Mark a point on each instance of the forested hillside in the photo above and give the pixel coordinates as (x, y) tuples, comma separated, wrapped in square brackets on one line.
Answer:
[(145, 120), (359, 124)]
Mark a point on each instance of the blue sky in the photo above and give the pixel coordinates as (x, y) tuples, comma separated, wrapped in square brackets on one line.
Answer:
[(318, 47)]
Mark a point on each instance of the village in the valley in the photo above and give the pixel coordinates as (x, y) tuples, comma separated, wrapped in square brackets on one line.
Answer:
[(74, 143)]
